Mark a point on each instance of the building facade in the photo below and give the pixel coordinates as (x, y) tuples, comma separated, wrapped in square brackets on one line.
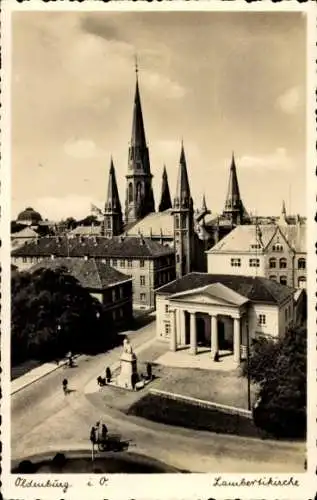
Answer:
[(148, 263), (274, 251), (110, 287), (222, 313)]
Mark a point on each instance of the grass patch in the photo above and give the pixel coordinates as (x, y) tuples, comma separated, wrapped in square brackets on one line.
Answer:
[(180, 413)]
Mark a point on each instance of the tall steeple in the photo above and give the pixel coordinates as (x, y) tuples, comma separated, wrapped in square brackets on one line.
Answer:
[(234, 208), (283, 215), (139, 194), (166, 201), (183, 221), (113, 223)]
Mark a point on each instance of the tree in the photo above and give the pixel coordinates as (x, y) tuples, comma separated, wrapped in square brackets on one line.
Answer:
[(51, 313), (279, 369), (89, 221)]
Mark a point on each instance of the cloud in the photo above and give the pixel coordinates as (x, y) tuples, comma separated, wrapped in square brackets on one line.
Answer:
[(163, 84), (82, 148), (279, 159), (72, 205), (290, 101)]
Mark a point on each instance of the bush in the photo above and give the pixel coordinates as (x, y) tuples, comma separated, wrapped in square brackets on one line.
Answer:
[(26, 467)]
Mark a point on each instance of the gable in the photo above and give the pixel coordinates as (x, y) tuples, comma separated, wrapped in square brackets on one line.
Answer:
[(278, 238)]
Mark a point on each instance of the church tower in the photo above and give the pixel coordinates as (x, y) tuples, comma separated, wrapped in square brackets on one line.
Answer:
[(234, 209), (166, 201), (183, 213), (112, 223), (139, 192)]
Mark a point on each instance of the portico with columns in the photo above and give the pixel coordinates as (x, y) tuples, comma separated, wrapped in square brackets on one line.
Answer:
[(212, 318)]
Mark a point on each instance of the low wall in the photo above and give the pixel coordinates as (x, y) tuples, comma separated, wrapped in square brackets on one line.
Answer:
[(202, 403)]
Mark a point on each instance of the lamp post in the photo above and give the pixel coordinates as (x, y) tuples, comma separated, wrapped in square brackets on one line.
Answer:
[(248, 364)]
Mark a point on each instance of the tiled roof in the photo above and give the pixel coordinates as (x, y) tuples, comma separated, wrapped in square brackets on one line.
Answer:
[(153, 224), (117, 247), (26, 232), (241, 238), (91, 273), (256, 289), (86, 231)]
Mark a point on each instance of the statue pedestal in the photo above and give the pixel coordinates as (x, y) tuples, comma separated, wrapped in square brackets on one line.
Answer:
[(128, 367)]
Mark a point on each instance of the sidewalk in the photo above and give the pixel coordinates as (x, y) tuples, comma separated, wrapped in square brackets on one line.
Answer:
[(37, 373)]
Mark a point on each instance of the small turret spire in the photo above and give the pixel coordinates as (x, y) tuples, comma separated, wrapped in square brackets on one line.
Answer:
[(113, 223), (166, 201), (204, 204), (182, 188)]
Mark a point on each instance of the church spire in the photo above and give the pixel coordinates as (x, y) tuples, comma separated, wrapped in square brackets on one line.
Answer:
[(204, 204), (138, 133), (113, 223), (139, 192), (166, 201), (234, 206)]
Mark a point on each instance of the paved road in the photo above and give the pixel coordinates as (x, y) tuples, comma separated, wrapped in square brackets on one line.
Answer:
[(44, 419)]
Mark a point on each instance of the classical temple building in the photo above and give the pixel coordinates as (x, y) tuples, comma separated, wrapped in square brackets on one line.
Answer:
[(222, 313)]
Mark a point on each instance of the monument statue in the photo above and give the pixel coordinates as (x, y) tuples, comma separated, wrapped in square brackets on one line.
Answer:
[(128, 366)]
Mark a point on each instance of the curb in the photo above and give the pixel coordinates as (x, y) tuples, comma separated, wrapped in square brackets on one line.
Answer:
[(60, 365)]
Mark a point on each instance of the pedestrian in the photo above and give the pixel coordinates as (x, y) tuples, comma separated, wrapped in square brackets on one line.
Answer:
[(65, 385), (104, 432)]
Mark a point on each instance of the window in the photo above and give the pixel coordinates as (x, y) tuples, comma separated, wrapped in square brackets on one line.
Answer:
[(122, 263), (177, 259), (301, 264), (167, 329), (23, 259), (166, 308), (272, 263), (130, 262), (286, 314), (254, 262), (130, 192), (121, 312), (142, 280), (177, 222), (114, 315), (273, 277), (114, 295), (283, 263), (121, 292), (283, 280), (142, 263), (277, 247), (302, 282), (262, 319), (235, 262), (108, 223), (114, 262), (184, 223), (142, 297), (256, 246)]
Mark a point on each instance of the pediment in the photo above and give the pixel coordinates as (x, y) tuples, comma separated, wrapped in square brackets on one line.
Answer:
[(214, 294)]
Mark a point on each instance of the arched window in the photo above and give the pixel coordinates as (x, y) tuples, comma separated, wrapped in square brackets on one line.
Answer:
[(301, 263), (177, 222), (108, 223), (302, 282), (130, 192), (184, 223), (283, 263), (272, 263), (283, 280), (273, 277), (138, 190)]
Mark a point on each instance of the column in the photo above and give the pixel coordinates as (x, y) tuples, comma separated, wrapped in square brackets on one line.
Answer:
[(236, 340), (173, 339), (214, 335), (193, 334), (182, 326)]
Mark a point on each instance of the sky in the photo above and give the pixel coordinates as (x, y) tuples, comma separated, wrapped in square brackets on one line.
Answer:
[(221, 81)]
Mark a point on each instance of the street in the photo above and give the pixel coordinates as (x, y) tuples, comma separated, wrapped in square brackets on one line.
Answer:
[(44, 419)]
